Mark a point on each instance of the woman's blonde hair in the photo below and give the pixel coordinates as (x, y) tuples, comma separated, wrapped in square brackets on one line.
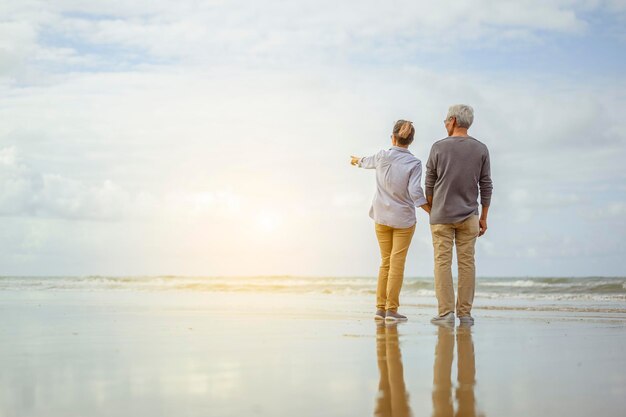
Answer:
[(404, 132)]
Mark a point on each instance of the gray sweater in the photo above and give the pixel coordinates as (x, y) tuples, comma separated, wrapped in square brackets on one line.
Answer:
[(456, 168)]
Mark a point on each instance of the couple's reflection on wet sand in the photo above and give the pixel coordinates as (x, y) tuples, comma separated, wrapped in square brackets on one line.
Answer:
[(443, 403), (393, 399)]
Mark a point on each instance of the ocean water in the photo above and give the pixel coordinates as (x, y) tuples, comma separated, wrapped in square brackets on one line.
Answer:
[(564, 293)]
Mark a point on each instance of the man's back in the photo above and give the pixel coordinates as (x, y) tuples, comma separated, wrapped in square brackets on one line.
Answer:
[(456, 168)]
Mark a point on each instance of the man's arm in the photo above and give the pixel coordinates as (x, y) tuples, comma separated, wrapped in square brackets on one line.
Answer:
[(486, 189), (482, 222), (431, 176)]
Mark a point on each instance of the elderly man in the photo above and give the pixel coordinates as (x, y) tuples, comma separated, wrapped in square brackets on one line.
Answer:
[(458, 166)]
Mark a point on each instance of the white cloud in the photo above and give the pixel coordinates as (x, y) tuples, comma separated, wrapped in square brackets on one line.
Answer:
[(18, 40), (305, 30), (26, 192), (271, 32), (614, 212)]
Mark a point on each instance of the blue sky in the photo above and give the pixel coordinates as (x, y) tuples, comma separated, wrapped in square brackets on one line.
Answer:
[(212, 138), (591, 47)]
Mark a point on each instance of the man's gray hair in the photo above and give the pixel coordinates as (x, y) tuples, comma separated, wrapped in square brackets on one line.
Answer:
[(463, 114)]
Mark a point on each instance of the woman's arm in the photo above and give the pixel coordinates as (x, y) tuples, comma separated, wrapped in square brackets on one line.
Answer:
[(415, 188), (367, 162)]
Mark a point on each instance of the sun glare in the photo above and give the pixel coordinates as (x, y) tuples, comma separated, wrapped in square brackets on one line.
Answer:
[(268, 222)]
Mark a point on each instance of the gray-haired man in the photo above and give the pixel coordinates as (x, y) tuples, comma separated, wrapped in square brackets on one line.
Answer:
[(458, 168)]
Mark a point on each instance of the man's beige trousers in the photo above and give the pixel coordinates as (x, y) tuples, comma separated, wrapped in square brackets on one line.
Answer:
[(394, 245), (445, 236)]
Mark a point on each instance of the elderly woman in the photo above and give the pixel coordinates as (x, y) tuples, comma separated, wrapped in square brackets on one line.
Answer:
[(398, 178)]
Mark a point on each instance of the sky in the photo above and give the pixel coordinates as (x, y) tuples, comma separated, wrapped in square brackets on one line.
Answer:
[(213, 137)]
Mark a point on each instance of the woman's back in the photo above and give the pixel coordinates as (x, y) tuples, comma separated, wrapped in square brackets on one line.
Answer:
[(398, 188)]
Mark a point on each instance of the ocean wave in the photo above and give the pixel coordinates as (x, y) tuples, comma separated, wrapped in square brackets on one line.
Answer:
[(592, 288)]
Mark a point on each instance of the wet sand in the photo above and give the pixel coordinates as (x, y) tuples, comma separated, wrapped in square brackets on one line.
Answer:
[(119, 353)]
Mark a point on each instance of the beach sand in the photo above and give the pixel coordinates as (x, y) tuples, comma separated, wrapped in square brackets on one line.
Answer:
[(185, 353)]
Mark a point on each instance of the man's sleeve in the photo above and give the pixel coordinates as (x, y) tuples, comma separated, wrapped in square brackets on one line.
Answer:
[(415, 186), (431, 172), (370, 162), (485, 184)]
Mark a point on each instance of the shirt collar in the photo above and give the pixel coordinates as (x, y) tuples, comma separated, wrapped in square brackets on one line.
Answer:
[(399, 149)]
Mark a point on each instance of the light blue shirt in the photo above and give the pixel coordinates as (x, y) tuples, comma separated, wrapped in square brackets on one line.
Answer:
[(398, 186)]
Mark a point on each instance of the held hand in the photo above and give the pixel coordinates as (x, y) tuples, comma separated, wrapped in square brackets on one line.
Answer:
[(354, 160), (482, 227)]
